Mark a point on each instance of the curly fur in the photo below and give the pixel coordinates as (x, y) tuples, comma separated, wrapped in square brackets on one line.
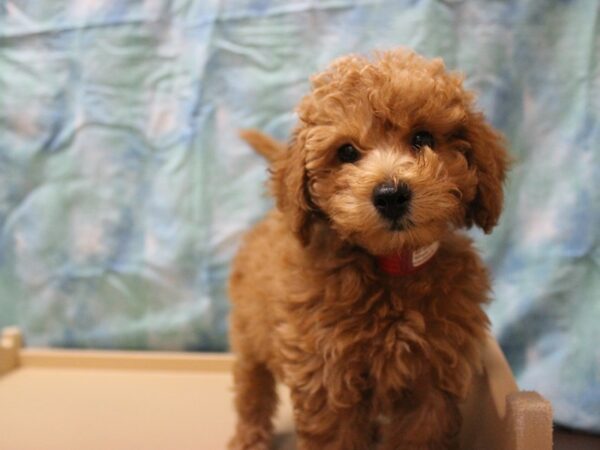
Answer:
[(372, 360)]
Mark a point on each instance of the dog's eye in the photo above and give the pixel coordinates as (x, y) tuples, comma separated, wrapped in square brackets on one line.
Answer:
[(422, 139), (347, 153)]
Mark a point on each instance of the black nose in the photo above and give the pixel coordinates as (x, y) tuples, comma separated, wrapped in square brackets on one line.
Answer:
[(392, 201)]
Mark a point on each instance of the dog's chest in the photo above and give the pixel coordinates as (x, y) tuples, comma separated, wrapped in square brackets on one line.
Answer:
[(357, 337), (384, 342), (387, 344)]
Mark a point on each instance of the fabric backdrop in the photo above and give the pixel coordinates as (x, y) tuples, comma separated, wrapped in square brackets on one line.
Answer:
[(124, 188)]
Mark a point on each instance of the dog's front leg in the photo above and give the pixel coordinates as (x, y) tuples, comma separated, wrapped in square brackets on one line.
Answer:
[(255, 401), (321, 427), (427, 420)]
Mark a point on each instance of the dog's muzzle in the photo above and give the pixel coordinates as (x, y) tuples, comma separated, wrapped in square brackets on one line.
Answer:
[(392, 201)]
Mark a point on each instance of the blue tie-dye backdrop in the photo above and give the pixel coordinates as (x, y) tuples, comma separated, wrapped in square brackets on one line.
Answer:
[(124, 188)]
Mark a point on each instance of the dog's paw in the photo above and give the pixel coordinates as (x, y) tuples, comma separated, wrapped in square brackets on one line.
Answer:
[(251, 439)]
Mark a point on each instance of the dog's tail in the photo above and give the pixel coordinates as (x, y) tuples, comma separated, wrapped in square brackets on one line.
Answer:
[(265, 145)]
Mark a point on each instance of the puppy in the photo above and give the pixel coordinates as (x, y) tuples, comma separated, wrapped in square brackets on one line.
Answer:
[(358, 291)]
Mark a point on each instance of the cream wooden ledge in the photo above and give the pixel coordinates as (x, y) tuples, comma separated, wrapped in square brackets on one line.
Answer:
[(98, 400), (126, 360), (11, 343)]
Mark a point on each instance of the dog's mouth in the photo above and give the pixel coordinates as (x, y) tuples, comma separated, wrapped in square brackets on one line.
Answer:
[(402, 224)]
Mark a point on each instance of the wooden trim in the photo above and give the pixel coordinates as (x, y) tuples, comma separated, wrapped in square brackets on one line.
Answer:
[(122, 360), (529, 418), (498, 375), (12, 355), (11, 342)]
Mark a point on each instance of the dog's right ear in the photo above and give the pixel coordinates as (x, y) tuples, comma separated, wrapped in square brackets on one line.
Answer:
[(491, 161), (289, 184)]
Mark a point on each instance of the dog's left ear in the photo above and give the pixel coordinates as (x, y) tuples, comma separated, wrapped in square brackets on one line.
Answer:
[(290, 187), (491, 160)]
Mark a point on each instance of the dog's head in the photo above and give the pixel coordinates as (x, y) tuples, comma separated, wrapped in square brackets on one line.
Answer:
[(391, 153)]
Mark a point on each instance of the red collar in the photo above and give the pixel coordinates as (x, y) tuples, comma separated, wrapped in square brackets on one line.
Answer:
[(407, 262)]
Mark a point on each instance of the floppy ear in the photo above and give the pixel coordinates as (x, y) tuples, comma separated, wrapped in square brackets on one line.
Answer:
[(491, 161), (290, 187)]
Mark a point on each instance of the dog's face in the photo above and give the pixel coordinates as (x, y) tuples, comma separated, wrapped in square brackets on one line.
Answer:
[(392, 154)]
